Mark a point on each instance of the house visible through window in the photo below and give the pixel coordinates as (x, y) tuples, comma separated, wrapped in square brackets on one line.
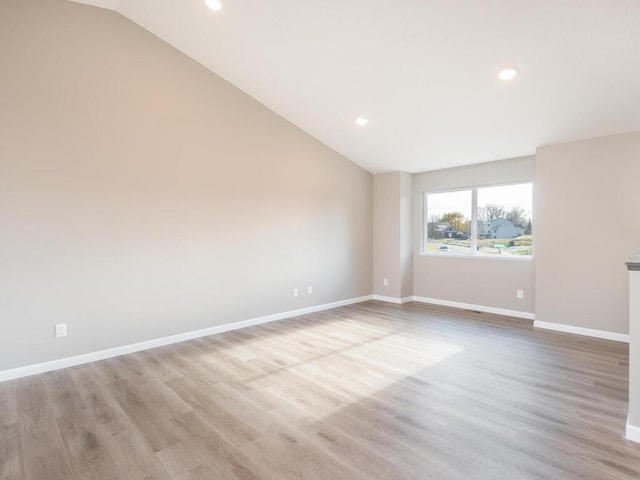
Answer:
[(487, 221)]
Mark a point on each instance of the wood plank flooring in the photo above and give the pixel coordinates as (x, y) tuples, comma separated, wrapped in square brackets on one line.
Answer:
[(368, 391)]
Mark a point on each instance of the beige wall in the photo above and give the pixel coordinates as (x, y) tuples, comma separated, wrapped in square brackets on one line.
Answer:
[(143, 196), (480, 281), (587, 224), (392, 239), (386, 235), (406, 234)]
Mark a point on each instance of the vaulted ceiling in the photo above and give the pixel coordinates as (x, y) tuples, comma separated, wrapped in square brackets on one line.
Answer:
[(423, 72)]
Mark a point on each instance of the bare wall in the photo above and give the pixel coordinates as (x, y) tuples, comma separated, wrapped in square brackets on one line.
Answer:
[(480, 281), (392, 239), (387, 235), (587, 224), (143, 196), (406, 233)]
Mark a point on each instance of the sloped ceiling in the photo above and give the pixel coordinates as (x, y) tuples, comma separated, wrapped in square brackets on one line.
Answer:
[(424, 72)]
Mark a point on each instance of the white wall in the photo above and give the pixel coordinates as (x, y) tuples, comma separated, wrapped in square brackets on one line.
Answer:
[(487, 282), (142, 196), (587, 224), (634, 347)]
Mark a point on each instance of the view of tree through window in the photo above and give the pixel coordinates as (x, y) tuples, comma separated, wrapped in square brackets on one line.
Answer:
[(449, 222), (503, 221)]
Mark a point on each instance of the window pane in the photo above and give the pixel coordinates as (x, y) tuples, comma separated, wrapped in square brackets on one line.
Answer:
[(449, 222), (504, 220)]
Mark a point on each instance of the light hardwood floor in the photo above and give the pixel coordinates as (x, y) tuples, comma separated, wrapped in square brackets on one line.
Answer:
[(369, 391)]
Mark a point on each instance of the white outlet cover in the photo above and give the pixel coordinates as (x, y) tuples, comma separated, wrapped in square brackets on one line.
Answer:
[(309, 290), (61, 330), (295, 292), (520, 293), (386, 282)]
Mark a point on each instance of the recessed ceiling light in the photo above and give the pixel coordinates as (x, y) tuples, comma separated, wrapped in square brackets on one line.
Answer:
[(213, 4), (362, 121), (508, 73)]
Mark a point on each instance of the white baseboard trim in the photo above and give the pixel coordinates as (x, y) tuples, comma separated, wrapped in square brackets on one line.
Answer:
[(617, 337), (35, 369), (479, 308), (633, 432), (398, 301)]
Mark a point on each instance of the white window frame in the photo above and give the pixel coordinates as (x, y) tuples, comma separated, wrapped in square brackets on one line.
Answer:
[(474, 224)]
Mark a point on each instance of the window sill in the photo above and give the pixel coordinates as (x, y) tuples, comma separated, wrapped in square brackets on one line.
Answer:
[(510, 258)]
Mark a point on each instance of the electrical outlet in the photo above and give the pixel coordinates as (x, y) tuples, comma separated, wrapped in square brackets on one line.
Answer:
[(385, 282), (520, 294), (295, 292), (309, 290), (61, 330)]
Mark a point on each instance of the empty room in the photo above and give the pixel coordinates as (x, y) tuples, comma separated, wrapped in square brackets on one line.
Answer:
[(355, 240)]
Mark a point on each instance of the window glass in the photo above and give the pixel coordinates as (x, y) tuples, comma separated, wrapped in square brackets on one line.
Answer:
[(504, 220), (500, 214), (449, 222)]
